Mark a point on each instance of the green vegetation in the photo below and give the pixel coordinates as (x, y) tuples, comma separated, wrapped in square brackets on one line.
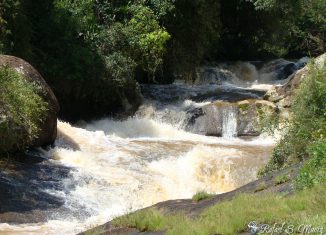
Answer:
[(95, 231), (281, 179), (96, 49), (232, 217), (21, 110), (260, 187), (314, 170), (201, 196), (264, 28), (88, 51), (92, 52), (305, 135)]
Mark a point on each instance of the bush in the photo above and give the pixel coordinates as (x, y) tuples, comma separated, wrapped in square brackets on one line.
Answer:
[(21, 110), (281, 179), (201, 196), (307, 127), (261, 187), (314, 170)]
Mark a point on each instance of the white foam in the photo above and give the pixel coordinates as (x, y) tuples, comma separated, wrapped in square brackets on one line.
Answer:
[(124, 166)]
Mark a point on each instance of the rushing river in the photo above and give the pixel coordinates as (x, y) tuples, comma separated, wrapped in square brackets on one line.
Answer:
[(112, 167)]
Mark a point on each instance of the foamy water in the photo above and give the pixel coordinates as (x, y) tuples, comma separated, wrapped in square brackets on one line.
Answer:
[(124, 166), (120, 166)]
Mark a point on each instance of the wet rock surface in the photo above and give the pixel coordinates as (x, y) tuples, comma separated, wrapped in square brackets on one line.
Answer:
[(204, 109), (282, 68), (283, 95), (26, 183), (213, 118), (179, 92), (245, 73)]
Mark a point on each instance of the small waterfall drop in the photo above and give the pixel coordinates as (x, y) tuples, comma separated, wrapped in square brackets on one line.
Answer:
[(170, 149), (229, 122), (255, 74)]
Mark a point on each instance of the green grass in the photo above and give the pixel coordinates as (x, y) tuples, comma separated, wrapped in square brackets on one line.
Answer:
[(95, 231), (262, 186), (231, 217), (201, 196), (281, 179)]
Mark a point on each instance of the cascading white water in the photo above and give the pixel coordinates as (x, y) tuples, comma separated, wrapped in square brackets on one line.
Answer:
[(246, 74), (120, 166), (124, 166), (229, 122)]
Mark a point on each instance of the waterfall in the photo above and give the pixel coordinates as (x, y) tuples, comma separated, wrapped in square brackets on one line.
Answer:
[(170, 149), (229, 122), (254, 74)]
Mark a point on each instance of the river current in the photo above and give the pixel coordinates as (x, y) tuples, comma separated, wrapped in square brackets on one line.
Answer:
[(118, 166)]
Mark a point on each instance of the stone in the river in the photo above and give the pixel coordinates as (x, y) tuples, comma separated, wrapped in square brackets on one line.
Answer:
[(48, 128), (28, 184), (281, 68), (244, 114), (283, 95)]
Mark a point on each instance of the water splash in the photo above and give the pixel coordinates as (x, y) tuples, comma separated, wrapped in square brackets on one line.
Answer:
[(115, 175), (229, 122), (249, 74), (120, 166)]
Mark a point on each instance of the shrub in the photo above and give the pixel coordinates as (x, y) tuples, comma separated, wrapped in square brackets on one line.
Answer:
[(201, 196), (21, 110), (261, 187), (281, 179), (307, 125), (314, 170)]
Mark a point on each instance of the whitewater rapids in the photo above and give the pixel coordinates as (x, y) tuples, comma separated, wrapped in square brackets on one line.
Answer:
[(124, 166), (115, 167)]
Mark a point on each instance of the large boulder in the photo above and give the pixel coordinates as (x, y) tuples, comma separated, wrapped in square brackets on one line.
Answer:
[(282, 69), (48, 128), (283, 95), (230, 118)]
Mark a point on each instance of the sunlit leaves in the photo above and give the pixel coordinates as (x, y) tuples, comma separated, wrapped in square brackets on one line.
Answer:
[(21, 110)]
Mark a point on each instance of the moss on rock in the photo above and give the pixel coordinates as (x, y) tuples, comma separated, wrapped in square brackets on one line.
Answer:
[(21, 111)]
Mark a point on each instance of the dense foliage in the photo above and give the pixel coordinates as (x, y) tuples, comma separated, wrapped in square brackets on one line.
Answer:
[(21, 110), (314, 170), (305, 137), (107, 44)]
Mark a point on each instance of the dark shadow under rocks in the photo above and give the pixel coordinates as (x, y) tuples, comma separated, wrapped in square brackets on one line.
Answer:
[(27, 184)]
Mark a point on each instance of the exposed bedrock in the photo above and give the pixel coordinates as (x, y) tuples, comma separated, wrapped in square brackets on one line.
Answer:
[(230, 119)]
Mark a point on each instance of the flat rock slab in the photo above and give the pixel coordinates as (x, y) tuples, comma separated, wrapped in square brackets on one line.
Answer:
[(24, 182)]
